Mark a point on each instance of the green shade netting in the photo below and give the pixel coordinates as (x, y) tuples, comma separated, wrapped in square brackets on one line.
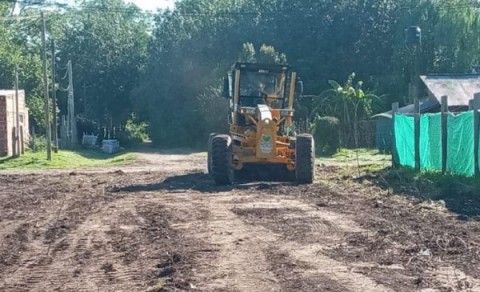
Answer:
[(431, 142), (405, 140), (460, 146)]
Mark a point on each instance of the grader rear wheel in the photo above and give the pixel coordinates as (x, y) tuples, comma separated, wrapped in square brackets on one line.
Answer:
[(305, 159)]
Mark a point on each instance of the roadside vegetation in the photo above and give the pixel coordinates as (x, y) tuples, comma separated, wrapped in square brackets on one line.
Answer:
[(159, 74), (361, 155), (457, 193), (66, 160)]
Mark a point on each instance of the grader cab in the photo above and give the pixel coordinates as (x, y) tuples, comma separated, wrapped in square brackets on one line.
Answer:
[(262, 141)]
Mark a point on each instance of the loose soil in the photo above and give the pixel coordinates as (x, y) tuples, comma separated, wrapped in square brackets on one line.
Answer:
[(162, 225)]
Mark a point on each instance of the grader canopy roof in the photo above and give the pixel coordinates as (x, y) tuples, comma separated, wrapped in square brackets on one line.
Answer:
[(256, 67), (258, 81)]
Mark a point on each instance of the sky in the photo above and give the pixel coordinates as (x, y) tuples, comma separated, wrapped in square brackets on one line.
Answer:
[(154, 4), (151, 5)]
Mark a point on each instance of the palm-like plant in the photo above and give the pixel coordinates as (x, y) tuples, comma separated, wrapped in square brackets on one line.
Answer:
[(349, 103)]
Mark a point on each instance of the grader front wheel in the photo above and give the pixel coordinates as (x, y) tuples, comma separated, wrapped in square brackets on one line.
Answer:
[(209, 155), (220, 163), (305, 159)]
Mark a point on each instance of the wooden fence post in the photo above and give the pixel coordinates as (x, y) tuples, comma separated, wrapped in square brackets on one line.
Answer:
[(34, 137), (14, 142), (444, 132), (416, 128), (394, 140), (22, 142), (476, 107)]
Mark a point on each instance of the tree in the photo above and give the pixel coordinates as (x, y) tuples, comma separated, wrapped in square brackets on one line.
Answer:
[(268, 54), (107, 43), (349, 103), (18, 49), (248, 53), (171, 75)]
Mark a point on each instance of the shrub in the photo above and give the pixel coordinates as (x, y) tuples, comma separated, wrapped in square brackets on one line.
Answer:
[(38, 144), (326, 131), (134, 133)]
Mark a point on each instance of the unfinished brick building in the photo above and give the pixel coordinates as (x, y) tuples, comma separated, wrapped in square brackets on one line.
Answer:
[(9, 144)]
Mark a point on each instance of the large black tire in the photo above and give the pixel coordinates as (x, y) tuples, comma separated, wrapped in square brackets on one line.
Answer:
[(221, 157), (305, 159), (209, 155)]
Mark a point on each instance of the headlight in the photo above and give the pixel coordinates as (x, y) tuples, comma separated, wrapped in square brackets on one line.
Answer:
[(248, 110)]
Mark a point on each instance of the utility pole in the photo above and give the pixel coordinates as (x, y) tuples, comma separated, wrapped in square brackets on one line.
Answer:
[(17, 114), (54, 101), (45, 85), (71, 122)]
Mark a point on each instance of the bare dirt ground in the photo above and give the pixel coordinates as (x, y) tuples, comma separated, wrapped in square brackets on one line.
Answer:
[(162, 225)]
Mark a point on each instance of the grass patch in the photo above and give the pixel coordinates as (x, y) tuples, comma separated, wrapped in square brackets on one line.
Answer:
[(369, 160), (66, 160)]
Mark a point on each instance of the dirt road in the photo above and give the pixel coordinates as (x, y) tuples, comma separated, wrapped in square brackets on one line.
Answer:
[(162, 225)]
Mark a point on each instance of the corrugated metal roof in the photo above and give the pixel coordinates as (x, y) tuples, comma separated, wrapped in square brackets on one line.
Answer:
[(460, 88), (425, 106)]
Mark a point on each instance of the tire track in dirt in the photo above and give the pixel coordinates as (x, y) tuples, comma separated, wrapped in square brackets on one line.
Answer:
[(410, 242), (94, 256), (173, 229), (322, 230), (234, 258), (45, 263), (332, 269), (242, 255), (90, 257), (449, 277), (89, 239), (28, 245)]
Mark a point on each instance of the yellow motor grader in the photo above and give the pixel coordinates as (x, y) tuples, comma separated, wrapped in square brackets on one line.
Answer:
[(262, 140)]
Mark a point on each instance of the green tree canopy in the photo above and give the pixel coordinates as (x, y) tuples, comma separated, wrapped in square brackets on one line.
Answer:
[(167, 68)]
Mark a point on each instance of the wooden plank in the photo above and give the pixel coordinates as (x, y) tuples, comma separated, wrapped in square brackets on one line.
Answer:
[(417, 133), (444, 132), (395, 106)]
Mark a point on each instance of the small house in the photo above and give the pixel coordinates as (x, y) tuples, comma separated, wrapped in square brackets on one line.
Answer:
[(11, 141), (460, 89)]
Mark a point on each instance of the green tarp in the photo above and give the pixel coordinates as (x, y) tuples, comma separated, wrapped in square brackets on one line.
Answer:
[(431, 142), (460, 145), (460, 142), (405, 140)]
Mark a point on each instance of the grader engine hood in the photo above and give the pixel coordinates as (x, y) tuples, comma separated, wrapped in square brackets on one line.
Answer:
[(266, 133)]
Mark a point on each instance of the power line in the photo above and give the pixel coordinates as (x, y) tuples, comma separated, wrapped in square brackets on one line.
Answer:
[(128, 10), (19, 17)]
